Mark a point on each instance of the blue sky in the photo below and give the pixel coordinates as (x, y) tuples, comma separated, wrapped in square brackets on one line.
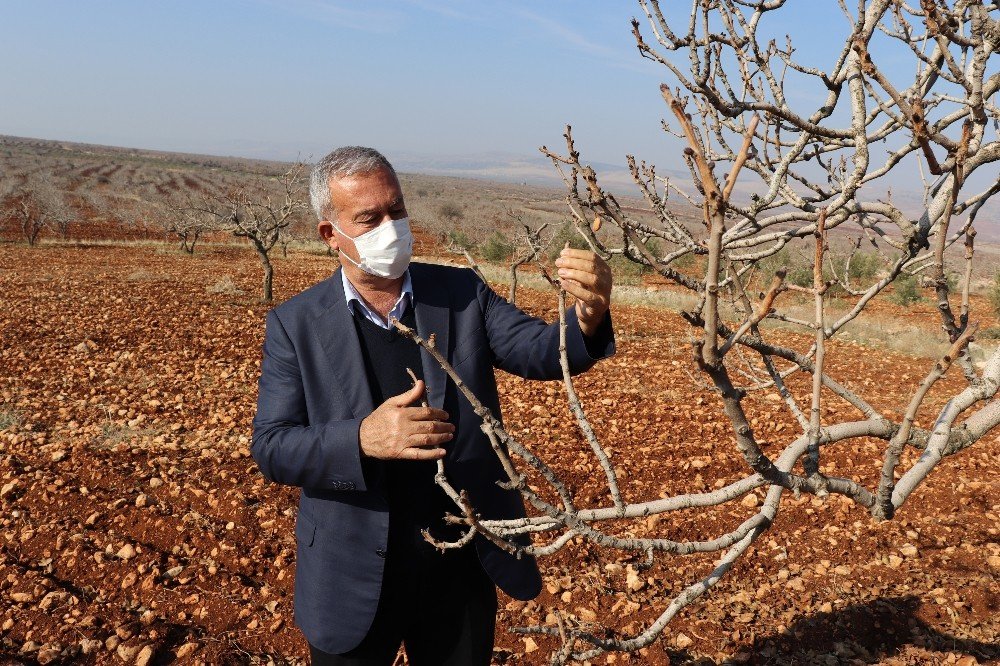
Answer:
[(277, 78)]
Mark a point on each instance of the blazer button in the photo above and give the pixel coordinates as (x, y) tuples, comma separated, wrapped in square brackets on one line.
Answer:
[(380, 552)]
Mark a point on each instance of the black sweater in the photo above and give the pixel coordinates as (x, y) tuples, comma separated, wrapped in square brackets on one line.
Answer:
[(415, 501)]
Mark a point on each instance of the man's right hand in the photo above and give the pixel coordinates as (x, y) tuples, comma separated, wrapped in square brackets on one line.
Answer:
[(396, 430)]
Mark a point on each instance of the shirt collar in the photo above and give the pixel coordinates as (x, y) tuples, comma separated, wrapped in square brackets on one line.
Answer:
[(356, 304)]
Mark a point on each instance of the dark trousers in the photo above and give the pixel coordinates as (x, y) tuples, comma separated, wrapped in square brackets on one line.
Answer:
[(442, 609)]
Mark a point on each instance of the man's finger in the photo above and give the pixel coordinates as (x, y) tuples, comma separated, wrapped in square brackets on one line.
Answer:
[(414, 453), (426, 414), (582, 277), (579, 264), (424, 441), (428, 427), (573, 253), (576, 289), (589, 297), (408, 397)]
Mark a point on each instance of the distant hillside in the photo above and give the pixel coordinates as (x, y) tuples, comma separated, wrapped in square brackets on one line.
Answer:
[(493, 194)]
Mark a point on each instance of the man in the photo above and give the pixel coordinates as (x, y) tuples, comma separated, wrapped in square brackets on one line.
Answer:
[(339, 416)]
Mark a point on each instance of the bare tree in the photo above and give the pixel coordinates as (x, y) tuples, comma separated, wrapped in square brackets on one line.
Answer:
[(805, 172), (258, 211), (38, 204), (63, 222), (63, 212), (8, 179), (180, 215), (130, 209), (535, 246), (292, 234)]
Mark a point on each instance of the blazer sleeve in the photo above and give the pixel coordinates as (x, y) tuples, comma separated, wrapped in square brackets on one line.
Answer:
[(288, 449), (528, 347)]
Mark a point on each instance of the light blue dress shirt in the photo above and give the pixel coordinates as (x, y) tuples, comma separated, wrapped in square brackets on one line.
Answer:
[(356, 304)]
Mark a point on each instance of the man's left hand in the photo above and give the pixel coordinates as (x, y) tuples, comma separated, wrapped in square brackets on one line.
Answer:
[(588, 277)]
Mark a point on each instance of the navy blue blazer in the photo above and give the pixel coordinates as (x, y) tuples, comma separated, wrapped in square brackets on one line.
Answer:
[(314, 394)]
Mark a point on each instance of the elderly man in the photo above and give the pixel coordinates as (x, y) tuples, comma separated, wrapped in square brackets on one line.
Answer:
[(339, 416)]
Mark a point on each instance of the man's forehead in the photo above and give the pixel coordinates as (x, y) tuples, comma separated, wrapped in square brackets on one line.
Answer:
[(373, 189), (353, 180)]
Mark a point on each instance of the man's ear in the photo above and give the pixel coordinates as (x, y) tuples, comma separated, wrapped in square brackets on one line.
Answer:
[(325, 229)]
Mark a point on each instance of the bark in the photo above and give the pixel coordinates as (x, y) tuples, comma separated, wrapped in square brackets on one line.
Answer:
[(267, 294)]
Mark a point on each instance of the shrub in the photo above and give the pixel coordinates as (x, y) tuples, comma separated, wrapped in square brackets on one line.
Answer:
[(450, 211), (10, 417), (225, 285), (567, 233), (864, 267), (627, 272), (460, 239), (497, 247), (906, 290), (993, 294), (799, 270)]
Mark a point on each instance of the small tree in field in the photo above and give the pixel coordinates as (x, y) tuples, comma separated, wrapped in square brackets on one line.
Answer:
[(38, 204), (535, 246), (131, 211), (803, 171), (181, 216), (67, 216), (259, 211), (7, 185)]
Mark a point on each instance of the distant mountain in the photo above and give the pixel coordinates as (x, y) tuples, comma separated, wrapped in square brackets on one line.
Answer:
[(506, 167)]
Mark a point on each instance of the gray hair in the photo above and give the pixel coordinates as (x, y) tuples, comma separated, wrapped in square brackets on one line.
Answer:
[(344, 161)]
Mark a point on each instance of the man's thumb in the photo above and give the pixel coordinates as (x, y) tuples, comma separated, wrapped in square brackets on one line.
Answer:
[(409, 397)]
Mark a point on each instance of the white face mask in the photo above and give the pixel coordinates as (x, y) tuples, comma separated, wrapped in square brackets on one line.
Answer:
[(384, 251)]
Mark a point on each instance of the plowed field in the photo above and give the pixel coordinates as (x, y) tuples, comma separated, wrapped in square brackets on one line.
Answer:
[(135, 527)]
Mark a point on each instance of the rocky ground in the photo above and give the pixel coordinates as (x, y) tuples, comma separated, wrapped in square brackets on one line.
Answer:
[(135, 528)]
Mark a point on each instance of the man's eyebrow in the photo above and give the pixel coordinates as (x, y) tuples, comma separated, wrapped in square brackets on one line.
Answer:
[(364, 213), (371, 211)]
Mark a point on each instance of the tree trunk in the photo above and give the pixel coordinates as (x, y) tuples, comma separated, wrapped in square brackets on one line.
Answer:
[(188, 240), (31, 232), (513, 284), (268, 276)]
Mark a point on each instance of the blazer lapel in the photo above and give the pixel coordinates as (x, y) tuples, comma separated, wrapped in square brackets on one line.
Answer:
[(339, 339), (433, 314)]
